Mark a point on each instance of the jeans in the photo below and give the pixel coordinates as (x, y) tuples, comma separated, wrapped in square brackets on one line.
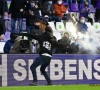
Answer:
[(44, 61), (13, 21), (29, 28), (55, 18)]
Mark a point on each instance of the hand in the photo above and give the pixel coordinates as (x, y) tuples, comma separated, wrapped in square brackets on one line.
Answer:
[(9, 16), (21, 10), (53, 12), (63, 14), (31, 12), (36, 6), (88, 9), (1, 37), (5, 13), (50, 12)]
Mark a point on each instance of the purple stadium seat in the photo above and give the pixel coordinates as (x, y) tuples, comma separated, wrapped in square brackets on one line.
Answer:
[(24, 25), (81, 6), (65, 5), (92, 9), (74, 7)]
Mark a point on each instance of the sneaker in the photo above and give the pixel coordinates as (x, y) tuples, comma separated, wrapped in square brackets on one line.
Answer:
[(33, 84), (49, 84)]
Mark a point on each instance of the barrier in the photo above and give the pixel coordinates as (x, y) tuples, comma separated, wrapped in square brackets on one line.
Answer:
[(63, 69)]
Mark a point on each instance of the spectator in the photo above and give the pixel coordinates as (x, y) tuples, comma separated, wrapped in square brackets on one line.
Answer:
[(85, 11), (97, 6), (43, 25), (60, 11), (46, 19), (66, 41), (9, 43), (48, 9), (32, 13), (81, 26), (3, 12), (16, 12), (74, 47), (39, 3), (36, 29)]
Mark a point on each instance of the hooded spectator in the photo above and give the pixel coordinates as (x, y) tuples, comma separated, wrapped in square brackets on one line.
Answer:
[(9, 43)]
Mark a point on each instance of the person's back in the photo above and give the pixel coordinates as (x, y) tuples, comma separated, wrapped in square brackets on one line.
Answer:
[(9, 43), (8, 46)]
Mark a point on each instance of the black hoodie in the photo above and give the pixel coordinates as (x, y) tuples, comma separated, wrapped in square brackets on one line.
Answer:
[(15, 7), (46, 42)]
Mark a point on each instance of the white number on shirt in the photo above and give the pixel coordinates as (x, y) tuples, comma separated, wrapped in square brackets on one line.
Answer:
[(47, 45)]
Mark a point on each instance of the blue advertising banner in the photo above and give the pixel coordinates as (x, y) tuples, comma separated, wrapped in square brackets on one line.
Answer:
[(63, 69)]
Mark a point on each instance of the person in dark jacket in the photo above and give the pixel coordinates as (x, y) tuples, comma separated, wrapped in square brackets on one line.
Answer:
[(3, 12), (65, 40), (47, 43), (16, 12), (74, 47), (81, 26), (32, 14), (9, 43), (48, 9), (97, 13), (36, 29)]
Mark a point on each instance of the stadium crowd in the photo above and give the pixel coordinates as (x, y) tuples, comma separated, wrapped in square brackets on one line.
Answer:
[(38, 13)]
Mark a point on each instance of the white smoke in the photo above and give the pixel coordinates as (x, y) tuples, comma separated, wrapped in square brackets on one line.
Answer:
[(89, 42)]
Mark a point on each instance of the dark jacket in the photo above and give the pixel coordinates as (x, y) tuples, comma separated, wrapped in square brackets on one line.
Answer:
[(8, 46), (37, 31), (30, 18), (45, 9), (81, 27), (96, 4), (15, 7), (3, 7), (74, 49), (66, 42)]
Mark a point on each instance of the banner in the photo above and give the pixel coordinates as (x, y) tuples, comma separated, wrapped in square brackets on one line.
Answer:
[(63, 69)]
